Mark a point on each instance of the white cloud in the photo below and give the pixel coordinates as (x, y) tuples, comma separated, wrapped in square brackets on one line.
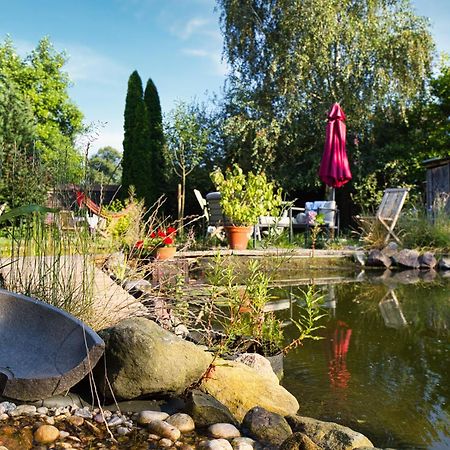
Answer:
[(193, 26), (84, 63), (213, 56)]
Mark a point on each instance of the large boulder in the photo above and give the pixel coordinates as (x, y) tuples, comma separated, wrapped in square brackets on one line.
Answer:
[(299, 441), (266, 427), (328, 435), (376, 258), (406, 258), (444, 263), (427, 261), (206, 410), (240, 388), (142, 358)]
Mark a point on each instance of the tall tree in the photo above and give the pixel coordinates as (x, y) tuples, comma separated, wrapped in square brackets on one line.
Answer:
[(291, 59), (155, 142), (136, 164), (40, 78)]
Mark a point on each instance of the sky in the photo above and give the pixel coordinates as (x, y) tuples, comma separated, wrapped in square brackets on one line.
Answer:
[(176, 43)]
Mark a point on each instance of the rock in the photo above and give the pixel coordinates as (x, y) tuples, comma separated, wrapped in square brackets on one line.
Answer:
[(76, 420), (360, 258), (63, 434), (46, 434), (85, 412), (299, 441), (142, 358), (148, 416), (7, 407), (241, 388), (165, 443), (378, 259), (410, 276), (428, 275), (137, 285), (444, 263), (258, 362), (114, 421), (182, 421), (61, 401), (266, 427), (328, 435), (215, 444), (427, 261), (206, 410), (23, 410), (243, 443), (390, 249), (406, 258), (181, 330), (123, 431), (43, 410), (223, 430), (164, 430)]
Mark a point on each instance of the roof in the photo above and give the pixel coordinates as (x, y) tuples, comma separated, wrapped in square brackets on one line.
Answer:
[(436, 162)]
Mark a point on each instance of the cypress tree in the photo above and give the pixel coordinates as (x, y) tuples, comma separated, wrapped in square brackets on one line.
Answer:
[(155, 142), (134, 110)]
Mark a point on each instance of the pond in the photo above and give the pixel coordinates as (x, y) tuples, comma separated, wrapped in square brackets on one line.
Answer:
[(383, 365)]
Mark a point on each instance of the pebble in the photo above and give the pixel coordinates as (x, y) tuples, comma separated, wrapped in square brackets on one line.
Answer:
[(46, 434), (243, 443), (83, 412), (76, 420), (182, 421), (26, 410), (153, 437), (8, 407), (216, 444), (145, 417), (164, 430), (114, 421), (164, 442), (99, 418), (123, 431), (4, 416), (50, 420), (223, 430), (63, 434), (43, 410)]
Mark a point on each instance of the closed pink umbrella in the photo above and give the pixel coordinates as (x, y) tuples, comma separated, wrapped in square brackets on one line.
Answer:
[(334, 168)]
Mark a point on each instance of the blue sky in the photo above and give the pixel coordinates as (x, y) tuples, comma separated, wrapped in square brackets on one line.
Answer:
[(177, 43)]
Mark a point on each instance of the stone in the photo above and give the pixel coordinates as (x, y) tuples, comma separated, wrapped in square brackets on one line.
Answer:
[(360, 258), (206, 410), (114, 421), (215, 444), (243, 443), (123, 431), (266, 427), (63, 434), (427, 261), (444, 263), (43, 410), (258, 362), (85, 412), (428, 275), (62, 401), (406, 258), (223, 430), (46, 434), (182, 421), (299, 441), (164, 430), (240, 388), (410, 276), (137, 285), (166, 443), (145, 417), (24, 410), (376, 258), (16, 438), (328, 435), (7, 407), (142, 358), (390, 249), (76, 420)]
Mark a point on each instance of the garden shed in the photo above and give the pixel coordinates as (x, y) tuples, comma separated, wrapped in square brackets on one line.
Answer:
[(438, 183)]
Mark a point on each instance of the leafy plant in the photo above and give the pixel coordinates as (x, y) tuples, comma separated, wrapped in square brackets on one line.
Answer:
[(246, 197)]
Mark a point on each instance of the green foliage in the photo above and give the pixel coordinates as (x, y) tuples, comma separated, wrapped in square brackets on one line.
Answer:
[(246, 197), (292, 59), (159, 164), (104, 166), (40, 79)]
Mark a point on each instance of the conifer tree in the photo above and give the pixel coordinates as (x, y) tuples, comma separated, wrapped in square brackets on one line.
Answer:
[(155, 142)]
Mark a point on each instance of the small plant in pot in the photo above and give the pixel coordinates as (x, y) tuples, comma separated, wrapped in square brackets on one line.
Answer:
[(244, 198)]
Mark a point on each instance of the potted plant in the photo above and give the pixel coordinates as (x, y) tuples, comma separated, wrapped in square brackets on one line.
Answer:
[(159, 243), (244, 198)]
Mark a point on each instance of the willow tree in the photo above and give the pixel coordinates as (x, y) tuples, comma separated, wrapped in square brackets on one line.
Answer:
[(291, 59)]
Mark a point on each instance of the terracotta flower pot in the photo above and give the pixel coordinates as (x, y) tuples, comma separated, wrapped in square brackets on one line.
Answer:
[(238, 237), (165, 253)]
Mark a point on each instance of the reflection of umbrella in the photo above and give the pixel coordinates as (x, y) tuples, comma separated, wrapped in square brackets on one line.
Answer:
[(334, 168), (339, 341)]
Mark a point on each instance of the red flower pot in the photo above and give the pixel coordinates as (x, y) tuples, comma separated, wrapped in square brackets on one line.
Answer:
[(238, 237), (165, 253)]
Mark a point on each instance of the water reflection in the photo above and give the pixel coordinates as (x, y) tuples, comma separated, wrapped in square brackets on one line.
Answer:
[(385, 368)]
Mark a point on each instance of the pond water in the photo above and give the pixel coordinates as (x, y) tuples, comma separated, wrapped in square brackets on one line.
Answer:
[(383, 365)]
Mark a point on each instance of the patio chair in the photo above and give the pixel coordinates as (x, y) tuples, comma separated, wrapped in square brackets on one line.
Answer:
[(389, 210)]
